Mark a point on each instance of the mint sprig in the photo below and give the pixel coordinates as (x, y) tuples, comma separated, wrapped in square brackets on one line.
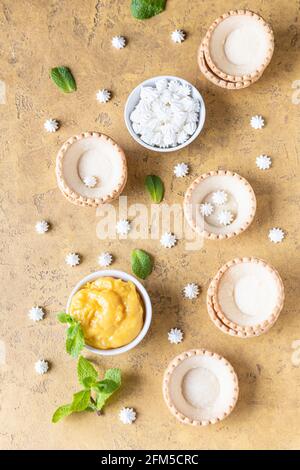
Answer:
[(143, 9), (75, 337), (63, 78), (141, 263), (95, 393), (155, 187)]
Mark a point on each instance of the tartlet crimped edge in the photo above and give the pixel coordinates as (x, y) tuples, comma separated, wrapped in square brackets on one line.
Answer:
[(226, 329), (209, 75), (219, 324)]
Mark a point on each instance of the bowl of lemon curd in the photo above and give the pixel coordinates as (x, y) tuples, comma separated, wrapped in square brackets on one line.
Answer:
[(114, 310)]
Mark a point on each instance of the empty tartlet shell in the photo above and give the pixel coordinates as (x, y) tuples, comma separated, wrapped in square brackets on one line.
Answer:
[(236, 78), (76, 198), (188, 199), (208, 73), (167, 375), (246, 331)]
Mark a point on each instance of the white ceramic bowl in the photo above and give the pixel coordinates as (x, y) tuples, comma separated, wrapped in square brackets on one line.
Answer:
[(145, 298), (134, 98)]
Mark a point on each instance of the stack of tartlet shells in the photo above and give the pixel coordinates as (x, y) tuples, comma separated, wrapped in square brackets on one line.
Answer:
[(224, 323), (219, 77)]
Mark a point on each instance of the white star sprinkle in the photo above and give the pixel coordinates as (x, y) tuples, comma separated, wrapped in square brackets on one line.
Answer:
[(41, 367), (36, 313), (175, 336), (219, 197), (42, 227), (90, 181), (127, 415), (119, 42), (178, 36), (225, 217), (51, 125), (191, 291), (168, 240), (206, 209), (103, 96), (257, 122), (72, 259), (123, 227), (105, 259), (263, 162), (276, 235), (181, 170)]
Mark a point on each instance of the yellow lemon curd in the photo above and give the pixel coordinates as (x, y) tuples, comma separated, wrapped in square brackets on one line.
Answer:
[(110, 312)]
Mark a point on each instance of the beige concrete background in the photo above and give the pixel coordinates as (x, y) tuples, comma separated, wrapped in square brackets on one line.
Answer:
[(36, 35)]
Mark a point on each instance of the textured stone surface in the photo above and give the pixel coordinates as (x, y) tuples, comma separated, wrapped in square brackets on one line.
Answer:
[(36, 35)]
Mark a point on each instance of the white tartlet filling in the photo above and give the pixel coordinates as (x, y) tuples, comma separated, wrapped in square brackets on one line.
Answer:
[(241, 45), (200, 387)]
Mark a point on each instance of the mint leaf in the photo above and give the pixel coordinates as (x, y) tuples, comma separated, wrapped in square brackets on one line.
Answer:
[(81, 400), (155, 187), (101, 399), (141, 263), (63, 317), (88, 383), (113, 374), (63, 78), (87, 374), (75, 340), (61, 412), (143, 9), (75, 336), (106, 386), (91, 407)]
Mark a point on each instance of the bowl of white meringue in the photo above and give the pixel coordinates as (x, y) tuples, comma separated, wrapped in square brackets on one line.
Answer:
[(164, 113)]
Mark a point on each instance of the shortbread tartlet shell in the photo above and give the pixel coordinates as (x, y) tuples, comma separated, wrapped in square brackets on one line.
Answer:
[(205, 233), (221, 320), (172, 408), (76, 198), (236, 78)]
